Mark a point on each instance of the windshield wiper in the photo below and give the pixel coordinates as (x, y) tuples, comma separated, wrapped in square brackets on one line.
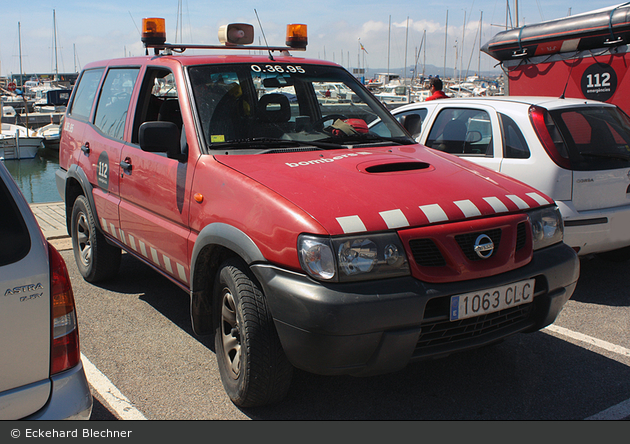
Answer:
[(620, 156), (265, 142), (371, 138)]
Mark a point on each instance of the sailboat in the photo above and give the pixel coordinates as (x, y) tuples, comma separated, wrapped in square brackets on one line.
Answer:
[(16, 141)]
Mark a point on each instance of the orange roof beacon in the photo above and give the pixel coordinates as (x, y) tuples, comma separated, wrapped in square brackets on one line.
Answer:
[(302, 238)]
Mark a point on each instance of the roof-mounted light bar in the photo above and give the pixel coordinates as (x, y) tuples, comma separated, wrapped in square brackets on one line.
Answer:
[(236, 34), (297, 36), (232, 36), (153, 31)]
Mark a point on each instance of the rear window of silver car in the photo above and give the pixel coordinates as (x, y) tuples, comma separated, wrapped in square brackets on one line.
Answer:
[(15, 240)]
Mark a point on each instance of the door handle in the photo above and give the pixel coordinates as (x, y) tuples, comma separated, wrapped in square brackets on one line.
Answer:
[(86, 148), (126, 165)]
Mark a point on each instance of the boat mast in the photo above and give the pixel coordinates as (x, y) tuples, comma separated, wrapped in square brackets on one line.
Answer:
[(445, 41), (389, 32), (55, 43), (20, 53), (405, 64)]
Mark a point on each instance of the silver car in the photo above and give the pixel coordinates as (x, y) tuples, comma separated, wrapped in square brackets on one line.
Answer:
[(41, 374)]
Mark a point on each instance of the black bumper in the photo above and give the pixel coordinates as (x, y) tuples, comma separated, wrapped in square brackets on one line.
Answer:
[(380, 326)]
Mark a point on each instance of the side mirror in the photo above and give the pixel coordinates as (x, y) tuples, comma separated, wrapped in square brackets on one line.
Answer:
[(161, 137)]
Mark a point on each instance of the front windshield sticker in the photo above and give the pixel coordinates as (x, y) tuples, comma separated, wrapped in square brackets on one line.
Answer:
[(325, 159), (278, 68)]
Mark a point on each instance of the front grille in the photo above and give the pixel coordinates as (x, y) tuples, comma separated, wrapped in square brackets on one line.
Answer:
[(521, 235), (441, 331), (467, 242), (426, 253)]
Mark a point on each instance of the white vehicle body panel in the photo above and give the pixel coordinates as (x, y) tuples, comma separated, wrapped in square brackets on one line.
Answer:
[(595, 205)]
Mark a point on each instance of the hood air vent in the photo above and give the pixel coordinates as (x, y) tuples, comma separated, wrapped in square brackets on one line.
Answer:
[(397, 167)]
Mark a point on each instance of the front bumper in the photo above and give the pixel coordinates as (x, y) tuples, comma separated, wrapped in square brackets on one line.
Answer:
[(376, 327)]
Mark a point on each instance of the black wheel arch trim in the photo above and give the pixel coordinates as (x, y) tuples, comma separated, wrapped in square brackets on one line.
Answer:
[(77, 173), (225, 237), (229, 237)]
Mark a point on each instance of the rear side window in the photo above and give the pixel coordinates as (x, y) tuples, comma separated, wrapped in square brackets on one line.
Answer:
[(85, 94), (514, 144), (597, 138), (113, 104), (462, 131), (14, 236)]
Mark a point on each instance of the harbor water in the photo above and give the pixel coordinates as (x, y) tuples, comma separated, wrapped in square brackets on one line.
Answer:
[(36, 177)]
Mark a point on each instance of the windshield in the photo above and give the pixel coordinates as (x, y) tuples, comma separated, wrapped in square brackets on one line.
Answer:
[(250, 105)]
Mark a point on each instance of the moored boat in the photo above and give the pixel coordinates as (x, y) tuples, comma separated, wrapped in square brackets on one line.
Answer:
[(18, 142)]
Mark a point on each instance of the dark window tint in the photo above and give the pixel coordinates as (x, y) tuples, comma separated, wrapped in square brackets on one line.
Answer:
[(462, 131), (14, 236), (597, 138), (413, 124), (85, 93), (514, 144), (111, 112), (157, 101)]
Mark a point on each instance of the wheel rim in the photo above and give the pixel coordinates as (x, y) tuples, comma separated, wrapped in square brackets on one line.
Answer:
[(230, 334), (84, 243)]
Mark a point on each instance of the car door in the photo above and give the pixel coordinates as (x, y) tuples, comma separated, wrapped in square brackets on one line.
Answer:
[(103, 142), (465, 130), (154, 189)]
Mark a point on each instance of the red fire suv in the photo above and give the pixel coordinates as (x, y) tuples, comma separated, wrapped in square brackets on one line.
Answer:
[(303, 239)]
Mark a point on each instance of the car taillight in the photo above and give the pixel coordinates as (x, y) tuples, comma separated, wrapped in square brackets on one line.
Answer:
[(65, 334), (541, 121)]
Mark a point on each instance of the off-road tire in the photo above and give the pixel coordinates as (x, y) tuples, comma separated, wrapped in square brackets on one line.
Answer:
[(253, 367), (96, 259)]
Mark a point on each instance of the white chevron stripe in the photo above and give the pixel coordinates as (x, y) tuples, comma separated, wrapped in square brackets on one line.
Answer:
[(132, 242), (496, 204), (468, 208), (167, 263), (154, 256), (351, 224), (394, 219), (181, 272), (518, 201), (434, 213), (143, 249), (538, 198)]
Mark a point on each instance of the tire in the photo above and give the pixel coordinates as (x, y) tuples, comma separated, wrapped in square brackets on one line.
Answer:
[(253, 367), (619, 255), (96, 259)]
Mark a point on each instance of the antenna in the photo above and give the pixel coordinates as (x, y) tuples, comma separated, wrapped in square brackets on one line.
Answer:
[(263, 33), (567, 82)]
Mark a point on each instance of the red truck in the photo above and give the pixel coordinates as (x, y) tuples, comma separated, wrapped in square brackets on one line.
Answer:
[(302, 238)]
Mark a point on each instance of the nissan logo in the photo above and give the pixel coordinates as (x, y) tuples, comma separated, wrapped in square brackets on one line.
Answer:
[(484, 247)]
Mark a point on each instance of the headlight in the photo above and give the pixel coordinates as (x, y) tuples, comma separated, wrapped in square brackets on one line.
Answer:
[(345, 259), (547, 227)]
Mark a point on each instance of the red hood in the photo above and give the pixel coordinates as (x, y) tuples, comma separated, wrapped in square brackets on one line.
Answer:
[(378, 189)]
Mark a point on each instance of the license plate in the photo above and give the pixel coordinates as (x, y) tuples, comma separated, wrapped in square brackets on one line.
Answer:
[(482, 302)]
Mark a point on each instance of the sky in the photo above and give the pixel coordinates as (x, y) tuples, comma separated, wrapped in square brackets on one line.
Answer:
[(393, 35)]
